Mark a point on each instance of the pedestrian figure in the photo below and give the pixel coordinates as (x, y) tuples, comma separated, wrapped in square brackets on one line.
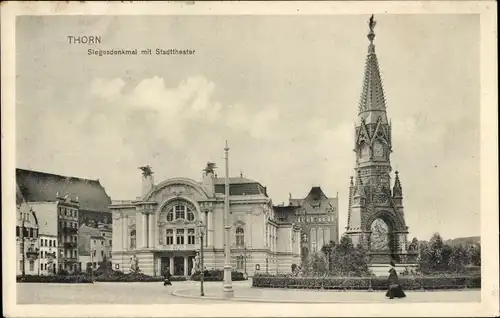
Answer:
[(394, 287), (166, 276)]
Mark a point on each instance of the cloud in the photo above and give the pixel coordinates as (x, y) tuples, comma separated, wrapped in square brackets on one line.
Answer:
[(106, 89)]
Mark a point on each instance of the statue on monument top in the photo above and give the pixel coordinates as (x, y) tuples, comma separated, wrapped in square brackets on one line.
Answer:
[(372, 23)]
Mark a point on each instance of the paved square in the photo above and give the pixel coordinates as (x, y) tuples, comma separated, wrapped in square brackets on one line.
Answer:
[(189, 293)]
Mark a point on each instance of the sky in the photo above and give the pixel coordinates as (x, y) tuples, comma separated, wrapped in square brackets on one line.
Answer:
[(283, 90)]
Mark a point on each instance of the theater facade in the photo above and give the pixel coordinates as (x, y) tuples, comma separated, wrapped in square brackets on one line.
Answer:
[(161, 228)]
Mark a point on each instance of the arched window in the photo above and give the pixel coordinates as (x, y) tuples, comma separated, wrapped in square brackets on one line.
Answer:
[(132, 239), (240, 236), (179, 210), (170, 216)]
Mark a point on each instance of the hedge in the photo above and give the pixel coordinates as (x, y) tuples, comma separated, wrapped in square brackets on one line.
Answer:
[(84, 278), (217, 275), (116, 276), (69, 279), (366, 283)]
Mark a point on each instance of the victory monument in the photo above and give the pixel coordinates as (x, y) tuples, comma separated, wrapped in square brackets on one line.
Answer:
[(376, 218)]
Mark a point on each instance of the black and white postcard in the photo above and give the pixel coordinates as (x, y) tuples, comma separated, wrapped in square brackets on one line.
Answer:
[(249, 159)]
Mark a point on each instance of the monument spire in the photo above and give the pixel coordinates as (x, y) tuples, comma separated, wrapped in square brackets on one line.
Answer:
[(372, 102)]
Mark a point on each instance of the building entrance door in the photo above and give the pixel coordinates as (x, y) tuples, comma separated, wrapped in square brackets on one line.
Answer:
[(164, 263), (179, 266)]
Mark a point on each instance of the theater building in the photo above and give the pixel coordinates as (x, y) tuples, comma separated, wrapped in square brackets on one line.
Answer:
[(161, 228)]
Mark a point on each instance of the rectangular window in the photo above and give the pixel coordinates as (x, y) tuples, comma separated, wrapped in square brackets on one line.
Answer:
[(191, 236), (102, 253), (180, 212), (32, 266), (110, 243), (239, 262), (102, 243), (170, 237), (94, 252), (132, 242), (180, 237)]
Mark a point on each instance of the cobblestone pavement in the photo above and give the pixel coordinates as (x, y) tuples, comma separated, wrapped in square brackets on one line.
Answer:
[(188, 293)]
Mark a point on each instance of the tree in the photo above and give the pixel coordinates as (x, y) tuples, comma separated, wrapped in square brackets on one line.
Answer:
[(413, 245), (458, 259), (475, 254), (348, 260), (436, 246)]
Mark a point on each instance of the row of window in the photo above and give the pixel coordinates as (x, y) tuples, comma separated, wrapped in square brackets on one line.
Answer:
[(94, 242), (69, 254), (68, 212), (48, 242), (179, 236), (44, 267), (68, 224), (45, 254), (309, 219), (29, 232), (181, 212), (31, 265), (25, 216), (69, 239)]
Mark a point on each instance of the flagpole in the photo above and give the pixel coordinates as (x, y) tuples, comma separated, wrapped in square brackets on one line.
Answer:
[(227, 286)]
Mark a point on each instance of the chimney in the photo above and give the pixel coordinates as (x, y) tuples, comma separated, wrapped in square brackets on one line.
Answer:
[(208, 178), (147, 180)]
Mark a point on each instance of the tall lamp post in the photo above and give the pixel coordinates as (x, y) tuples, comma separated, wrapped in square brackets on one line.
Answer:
[(23, 271), (201, 228), (227, 290)]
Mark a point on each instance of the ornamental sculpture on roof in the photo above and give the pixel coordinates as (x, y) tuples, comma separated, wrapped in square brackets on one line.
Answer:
[(210, 167), (146, 171)]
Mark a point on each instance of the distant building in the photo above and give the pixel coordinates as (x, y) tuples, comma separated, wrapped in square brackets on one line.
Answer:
[(60, 203), (39, 186), (48, 237), (317, 216), (67, 209), (92, 247), (26, 237), (161, 227)]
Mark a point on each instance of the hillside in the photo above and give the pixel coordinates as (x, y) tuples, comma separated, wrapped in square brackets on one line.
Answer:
[(464, 240)]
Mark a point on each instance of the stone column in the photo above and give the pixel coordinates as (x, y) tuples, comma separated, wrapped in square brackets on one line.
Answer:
[(125, 232), (171, 264), (208, 220), (158, 267), (186, 265), (185, 236), (144, 231), (152, 230)]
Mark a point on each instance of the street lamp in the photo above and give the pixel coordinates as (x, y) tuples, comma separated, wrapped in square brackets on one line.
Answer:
[(201, 228), (227, 289)]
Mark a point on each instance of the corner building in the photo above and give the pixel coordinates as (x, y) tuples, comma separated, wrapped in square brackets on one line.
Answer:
[(161, 227)]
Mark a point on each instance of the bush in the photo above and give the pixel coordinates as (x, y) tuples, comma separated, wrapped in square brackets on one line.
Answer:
[(69, 279), (217, 275), (365, 283), (116, 276)]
